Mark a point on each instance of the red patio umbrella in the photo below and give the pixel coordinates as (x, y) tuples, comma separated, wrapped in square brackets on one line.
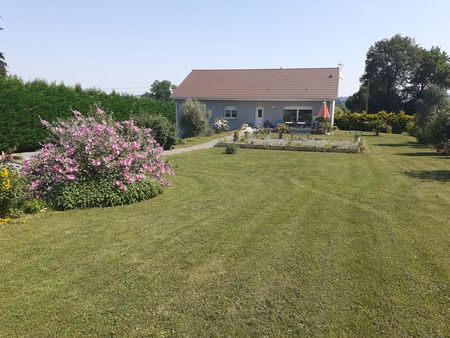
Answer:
[(323, 112)]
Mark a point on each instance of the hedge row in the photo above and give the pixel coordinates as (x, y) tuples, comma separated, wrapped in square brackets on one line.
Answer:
[(362, 121), (21, 104)]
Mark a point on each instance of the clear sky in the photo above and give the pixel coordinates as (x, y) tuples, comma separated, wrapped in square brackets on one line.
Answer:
[(128, 44)]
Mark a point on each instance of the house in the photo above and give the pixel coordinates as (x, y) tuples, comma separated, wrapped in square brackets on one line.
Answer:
[(261, 97)]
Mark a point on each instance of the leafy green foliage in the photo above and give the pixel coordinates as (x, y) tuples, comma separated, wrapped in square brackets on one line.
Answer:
[(161, 90), (33, 206), (3, 65), (398, 72), (164, 131), (22, 103), (231, 148), (437, 131), (12, 191), (194, 118), (101, 193), (368, 122)]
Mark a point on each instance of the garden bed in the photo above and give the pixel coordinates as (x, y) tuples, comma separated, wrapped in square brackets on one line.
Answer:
[(335, 146)]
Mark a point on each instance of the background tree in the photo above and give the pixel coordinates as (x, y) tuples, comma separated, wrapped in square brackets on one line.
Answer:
[(161, 90), (357, 102), (3, 64), (398, 73)]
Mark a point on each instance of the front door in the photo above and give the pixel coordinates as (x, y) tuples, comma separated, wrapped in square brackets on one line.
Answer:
[(259, 117)]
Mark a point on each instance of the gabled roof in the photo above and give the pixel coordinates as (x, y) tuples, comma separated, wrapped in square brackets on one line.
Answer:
[(260, 84)]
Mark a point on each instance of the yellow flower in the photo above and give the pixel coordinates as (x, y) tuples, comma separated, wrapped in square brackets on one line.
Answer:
[(6, 184), (4, 173)]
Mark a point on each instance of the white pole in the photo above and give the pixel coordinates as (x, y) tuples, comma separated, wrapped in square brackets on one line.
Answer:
[(333, 105)]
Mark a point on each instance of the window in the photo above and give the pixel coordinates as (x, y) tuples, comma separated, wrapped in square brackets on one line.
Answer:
[(230, 112), (260, 113)]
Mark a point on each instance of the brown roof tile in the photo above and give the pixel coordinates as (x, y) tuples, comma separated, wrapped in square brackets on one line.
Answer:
[(261, 84)]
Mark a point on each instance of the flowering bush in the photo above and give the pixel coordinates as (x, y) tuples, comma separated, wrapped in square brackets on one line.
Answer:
[(92, 149), (220, 125)]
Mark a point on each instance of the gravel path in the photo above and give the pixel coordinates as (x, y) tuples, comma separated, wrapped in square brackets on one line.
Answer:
[(206, 145)]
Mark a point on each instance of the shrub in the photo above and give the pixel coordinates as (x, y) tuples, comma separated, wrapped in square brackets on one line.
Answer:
[(236, 135), (437, 131), (282, 129), (164, 131), (101, 193), (220, 125), (33, 206), (231, 148), (12, 191), (94, 149), (195, 118), (22, 103), (362, 121)]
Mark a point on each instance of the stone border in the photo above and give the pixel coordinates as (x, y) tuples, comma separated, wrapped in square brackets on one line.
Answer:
[(291, 148)]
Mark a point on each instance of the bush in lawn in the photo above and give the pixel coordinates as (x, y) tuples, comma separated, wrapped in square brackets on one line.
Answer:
[(437, 131), (97, 154), (164, 131), (231, 148), (12, 191), (220, 125), (195, 118)]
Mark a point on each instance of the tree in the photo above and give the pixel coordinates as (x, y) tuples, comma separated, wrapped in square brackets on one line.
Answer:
[(357, 102), (398, 72), (3, 64), (195, 118), (433, 69), (390, 64), (161, 90)]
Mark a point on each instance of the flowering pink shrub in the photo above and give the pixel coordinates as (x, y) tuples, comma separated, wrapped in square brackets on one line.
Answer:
[(95, 148)]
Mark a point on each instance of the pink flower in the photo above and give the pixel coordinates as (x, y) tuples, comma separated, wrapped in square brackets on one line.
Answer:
[(96, 163), (69, 151), (36, 184), (45, 123), (71, 177)]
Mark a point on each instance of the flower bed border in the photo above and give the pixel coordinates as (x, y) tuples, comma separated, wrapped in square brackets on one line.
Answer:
[(292, 148)]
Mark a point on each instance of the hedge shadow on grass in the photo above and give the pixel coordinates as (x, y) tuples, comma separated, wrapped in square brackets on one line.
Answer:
[(433, 175)]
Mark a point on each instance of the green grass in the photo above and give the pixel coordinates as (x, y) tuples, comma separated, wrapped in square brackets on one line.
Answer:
[(262, 243), (193, 141)]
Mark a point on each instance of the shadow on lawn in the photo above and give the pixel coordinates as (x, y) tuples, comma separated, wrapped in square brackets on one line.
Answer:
[(434, 175), (424, 153), (404, 144)]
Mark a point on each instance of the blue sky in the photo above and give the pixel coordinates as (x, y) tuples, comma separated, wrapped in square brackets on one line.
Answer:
[(126, 45)]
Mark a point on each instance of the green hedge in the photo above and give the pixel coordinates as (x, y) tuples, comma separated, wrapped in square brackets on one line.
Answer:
[(363, 121), (21, 104)]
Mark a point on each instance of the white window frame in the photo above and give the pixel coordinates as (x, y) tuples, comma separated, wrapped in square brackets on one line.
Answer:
[(230, 110)]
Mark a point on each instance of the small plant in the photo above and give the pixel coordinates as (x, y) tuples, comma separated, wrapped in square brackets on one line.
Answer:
[(377, 125), (236, 135), (282, 129), (231, 148), (220, 125)]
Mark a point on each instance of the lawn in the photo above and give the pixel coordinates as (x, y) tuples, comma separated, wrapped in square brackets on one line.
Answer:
[(193, 141), (262, 243)]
